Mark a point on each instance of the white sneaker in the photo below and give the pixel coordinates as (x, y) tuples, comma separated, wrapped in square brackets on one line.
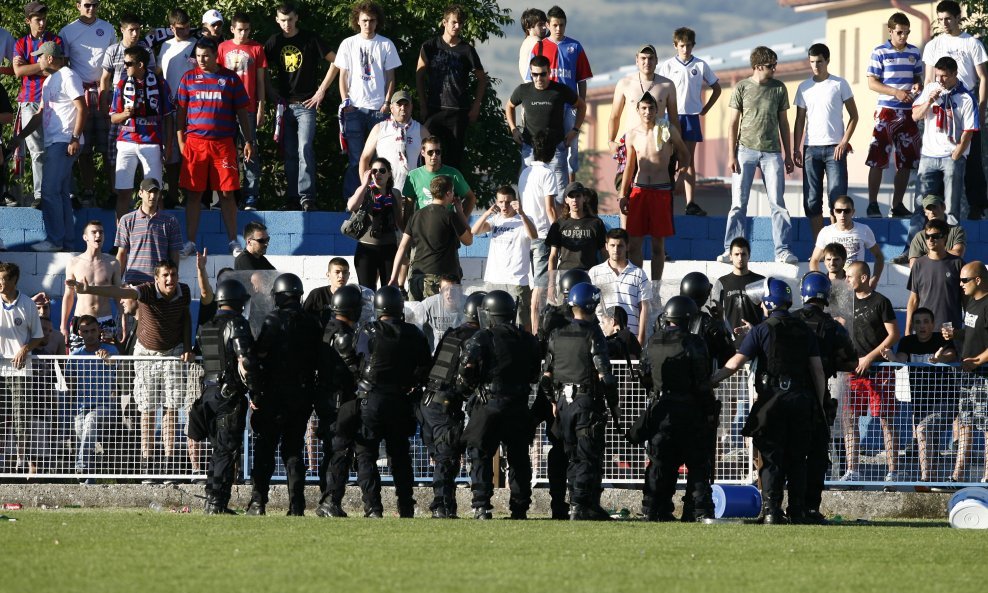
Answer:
[(892, 477), (850, 476), (786, 257), (46, 246), (724, 258), (235, 248), (188, 250)]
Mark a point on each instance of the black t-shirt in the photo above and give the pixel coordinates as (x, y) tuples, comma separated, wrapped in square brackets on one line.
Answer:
[(870, 316), (246, 261), (5, 106), (579, 241), (927, 384), (975, 327), (735, 305), (436, 232), (449, 68), (544, 109), (293, 63), (319, 302), (936, 285)]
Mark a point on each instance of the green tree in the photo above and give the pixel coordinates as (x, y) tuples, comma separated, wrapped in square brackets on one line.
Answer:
[(409, 23)]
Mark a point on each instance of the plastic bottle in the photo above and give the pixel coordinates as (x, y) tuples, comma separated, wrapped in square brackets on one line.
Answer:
[(155, 506)]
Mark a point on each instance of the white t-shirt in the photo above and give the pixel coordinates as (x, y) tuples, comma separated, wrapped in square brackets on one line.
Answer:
[(176, 58), (57, 95), (824, 105), (628, 289), (537, 182), (525, 57), (939, 142), (19, 324), (856, 241), (507, 255), (85, 44), (689, 79), (966, 50), (366, 61)]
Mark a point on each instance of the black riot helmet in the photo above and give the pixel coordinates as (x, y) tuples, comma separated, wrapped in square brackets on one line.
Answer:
[(472, 306), (499, 307), (696, 286), (388, 301), (232, 293), (680, 310), (288, 285), (571, 278), (348, 301)]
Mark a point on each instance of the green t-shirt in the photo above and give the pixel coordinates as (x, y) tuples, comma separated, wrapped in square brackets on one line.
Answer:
[(760, 105), (418, 180)]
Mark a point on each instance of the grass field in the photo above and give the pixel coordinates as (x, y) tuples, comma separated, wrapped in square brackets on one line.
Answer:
[(103, 551)]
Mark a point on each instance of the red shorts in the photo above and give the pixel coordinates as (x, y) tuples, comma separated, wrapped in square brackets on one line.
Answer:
[(873, 394), (205, 160), (650, 212), (894, 130)]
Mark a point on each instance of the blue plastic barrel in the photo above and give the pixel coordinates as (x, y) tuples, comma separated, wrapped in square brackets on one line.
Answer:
[(736, 501)]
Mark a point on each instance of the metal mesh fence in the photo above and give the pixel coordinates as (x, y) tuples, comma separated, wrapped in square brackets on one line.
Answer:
[(903, 426)]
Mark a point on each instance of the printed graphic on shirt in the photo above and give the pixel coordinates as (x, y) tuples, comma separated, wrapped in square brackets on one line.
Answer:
[(239, 61), (291, 58)]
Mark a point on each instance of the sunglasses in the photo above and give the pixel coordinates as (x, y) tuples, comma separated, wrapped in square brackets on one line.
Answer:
[(263, 241), (381, 171), (966, 280), (843, 210), (771, 66), (90, 5), (539, 74), (934, 237), (435, 151), (129, 64)]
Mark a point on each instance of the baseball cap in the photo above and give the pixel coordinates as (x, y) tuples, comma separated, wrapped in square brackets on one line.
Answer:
[(150, 184), (648, 47), (932, 199), (400, 96), (575, 187), (212, 16), (49, 48), (34, 8)]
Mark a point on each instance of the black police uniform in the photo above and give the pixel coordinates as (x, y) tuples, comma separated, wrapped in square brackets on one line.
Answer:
[(836, 353), (224, 340), (441, 416), (396, 363), (288, 345), (576, 358), (553, 317), (676, 423), (501, 362), (781, 419), (337, 413)]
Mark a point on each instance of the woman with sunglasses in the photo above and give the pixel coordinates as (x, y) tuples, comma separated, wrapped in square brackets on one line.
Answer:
[(376, 249)]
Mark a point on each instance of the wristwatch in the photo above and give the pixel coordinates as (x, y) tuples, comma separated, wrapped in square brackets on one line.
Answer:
[(75, 138)]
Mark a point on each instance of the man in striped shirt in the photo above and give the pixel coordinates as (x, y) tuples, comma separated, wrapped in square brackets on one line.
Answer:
[(211, 101), (896, 74), (622, 283), (146, 236)]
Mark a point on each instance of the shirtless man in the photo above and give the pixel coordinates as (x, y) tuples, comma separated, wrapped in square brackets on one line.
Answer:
[(95, 267), (629, 91), (646, 185)]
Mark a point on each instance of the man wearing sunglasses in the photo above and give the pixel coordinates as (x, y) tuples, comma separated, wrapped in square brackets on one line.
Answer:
[(856, 239), (933, 208), (252, 258), (933, 278)]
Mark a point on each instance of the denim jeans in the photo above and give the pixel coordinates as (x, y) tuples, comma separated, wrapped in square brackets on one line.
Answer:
[(87, 431), (357, 126), (773, 176), (56, 190), (557, 164), (299, 126), (573, 150), (950, 173), (252, 168), (816, 160), (35, 144)]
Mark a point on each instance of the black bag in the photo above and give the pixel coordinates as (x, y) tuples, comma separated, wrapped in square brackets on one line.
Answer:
[(356, 226)]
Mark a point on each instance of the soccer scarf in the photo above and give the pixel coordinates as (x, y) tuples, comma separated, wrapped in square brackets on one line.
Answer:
[(147, 94), (403, 139)]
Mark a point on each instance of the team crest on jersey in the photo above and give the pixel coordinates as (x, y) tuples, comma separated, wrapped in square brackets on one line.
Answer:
[(18, 322), (222, 82), (100, 32), (694, 72), (570, 50)]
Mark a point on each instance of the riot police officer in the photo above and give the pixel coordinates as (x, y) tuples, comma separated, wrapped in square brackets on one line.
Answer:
[(675, 368), (708, 324), (500, 362), (395, 364), (288, 346), (230, 371), (338, 416), (553, 317), (578, 367), (836, 354), (441, 410), (788, 376)]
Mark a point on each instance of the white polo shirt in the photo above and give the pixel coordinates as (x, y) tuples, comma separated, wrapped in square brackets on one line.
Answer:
[(19, 324), (628, 288), (85, 45)]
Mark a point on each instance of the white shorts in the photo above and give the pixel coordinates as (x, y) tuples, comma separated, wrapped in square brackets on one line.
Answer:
[(130, 155), (159, 383)]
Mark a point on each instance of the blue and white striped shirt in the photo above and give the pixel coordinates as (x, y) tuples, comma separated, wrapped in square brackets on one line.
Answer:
[(897, 69)]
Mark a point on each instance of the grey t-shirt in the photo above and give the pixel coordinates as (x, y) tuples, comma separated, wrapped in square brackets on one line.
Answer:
[(760, 104), (955, 236), (937, 284)]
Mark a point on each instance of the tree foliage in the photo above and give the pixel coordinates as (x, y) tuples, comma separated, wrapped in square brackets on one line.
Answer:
[(490, 158)]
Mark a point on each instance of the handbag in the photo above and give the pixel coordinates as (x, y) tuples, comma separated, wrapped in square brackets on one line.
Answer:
[(356, 226)]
